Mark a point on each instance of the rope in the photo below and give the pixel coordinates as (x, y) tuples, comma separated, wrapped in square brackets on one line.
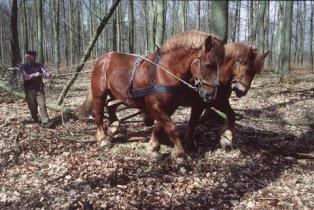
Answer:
[(135, 55), (164, 69)]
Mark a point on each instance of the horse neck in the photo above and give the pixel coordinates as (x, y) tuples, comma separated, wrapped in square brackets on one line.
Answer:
[(179, 62), (226, 69)]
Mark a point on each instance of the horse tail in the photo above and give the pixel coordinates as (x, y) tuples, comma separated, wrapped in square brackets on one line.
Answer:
[(86, 108)]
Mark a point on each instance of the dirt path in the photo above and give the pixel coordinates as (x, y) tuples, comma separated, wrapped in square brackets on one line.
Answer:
[(62, 168)]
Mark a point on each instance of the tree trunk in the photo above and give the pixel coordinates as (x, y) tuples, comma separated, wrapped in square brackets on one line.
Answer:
[(261, 31), (198, 15), (287, 41), (25, 26), (219, 19), (160, 22), (56, 14), (40, 32), (65, 41), (251, 24), (236, 22), (182, 15), (88, 50), (15, 49), (311, 37), (280, 34), (151, 11), (131, 25)]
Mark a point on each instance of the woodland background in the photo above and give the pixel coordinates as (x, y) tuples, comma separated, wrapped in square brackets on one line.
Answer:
[(60, 30)]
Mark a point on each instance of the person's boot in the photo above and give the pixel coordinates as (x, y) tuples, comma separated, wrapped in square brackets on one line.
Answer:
[(47, 125)]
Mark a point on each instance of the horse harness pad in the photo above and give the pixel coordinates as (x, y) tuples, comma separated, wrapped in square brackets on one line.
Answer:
[(152, 88)]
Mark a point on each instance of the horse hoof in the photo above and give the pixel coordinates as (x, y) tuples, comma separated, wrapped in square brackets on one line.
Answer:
[(225, 143), (156, 156), (113, 128), (104, 144)]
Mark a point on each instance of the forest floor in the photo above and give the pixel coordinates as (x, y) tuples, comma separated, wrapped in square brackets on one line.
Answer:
[(63, 168)]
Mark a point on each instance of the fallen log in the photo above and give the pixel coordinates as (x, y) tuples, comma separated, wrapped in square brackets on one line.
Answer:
[(22, 95)]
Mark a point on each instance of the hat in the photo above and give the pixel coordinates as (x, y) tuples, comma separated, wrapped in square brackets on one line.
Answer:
[(31, 52)]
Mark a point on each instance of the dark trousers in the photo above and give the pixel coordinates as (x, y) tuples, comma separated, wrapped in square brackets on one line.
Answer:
[(35, 98)]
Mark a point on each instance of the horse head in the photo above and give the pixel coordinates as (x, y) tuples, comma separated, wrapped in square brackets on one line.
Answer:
[(244, 70), (205, 69)]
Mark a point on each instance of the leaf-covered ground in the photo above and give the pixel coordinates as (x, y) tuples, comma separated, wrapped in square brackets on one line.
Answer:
[(63, 168)]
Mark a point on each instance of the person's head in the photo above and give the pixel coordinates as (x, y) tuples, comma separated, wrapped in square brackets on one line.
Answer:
[(31, 56)]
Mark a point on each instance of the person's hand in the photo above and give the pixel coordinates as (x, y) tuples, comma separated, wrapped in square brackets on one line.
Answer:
[(47, 75), (35, 74)]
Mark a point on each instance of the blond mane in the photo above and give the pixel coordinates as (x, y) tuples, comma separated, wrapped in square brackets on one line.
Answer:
[(240, 50), (184, 40)]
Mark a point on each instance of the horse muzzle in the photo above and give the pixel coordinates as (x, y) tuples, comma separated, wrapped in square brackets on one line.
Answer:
[(239, 89)]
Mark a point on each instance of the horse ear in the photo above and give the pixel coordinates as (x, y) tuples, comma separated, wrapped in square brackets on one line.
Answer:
[(252, 53), (266, 53), (209, 43)]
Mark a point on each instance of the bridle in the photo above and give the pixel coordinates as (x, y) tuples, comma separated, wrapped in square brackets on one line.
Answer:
[(237, 80), (199, 82)]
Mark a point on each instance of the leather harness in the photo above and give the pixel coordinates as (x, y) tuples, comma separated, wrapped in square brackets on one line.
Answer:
[(152, 88)]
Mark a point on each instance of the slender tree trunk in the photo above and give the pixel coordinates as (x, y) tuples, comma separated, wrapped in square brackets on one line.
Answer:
[(198, 15), (131, 25), (151, 40), (160, 22), (311, 37), (174, 17), (88, 50), (236, 24), (287, 41), (182, 14), (280, 33), (40, 32), (1, 40), (65, 30), (251, 24), (261, 31), (25, 26), (302, 33), (219, 18), (15, 49), (56, 14)]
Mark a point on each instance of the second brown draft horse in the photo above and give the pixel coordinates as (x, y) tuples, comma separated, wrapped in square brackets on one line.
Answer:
[(190, 56)]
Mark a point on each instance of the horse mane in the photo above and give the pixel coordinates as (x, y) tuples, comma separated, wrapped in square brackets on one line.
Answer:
[(184, 40), (242, 51)]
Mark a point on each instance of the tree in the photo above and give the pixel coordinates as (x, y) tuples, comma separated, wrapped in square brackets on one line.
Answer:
[(131, 25), (150, 34), (219, 19), (311, 36), (182, 14), (56, 14), (261, 23), (160, 22), (88, 50), (198, 15), (286, 52), (40, 33), (15, 49)]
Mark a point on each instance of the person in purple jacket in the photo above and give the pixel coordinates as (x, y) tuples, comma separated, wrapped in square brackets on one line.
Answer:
[(32, 75)]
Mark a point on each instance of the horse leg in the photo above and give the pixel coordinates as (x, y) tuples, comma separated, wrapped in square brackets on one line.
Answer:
[(99, 116), (153, 146), (227, 131), (113, 121), (196, 112), (172, 130)]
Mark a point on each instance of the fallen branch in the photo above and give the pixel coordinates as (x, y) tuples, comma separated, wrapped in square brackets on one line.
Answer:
[(305, 155), (22, 95)]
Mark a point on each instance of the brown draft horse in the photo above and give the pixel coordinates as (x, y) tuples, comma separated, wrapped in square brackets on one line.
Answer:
[(189, 56), (242, 62)]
